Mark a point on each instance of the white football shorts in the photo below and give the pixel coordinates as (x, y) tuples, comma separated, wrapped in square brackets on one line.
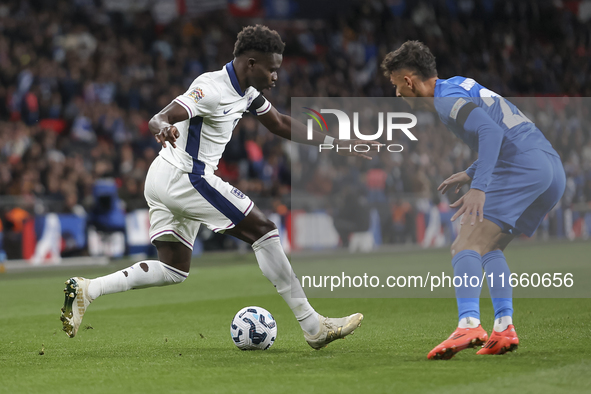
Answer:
[(179, 202)]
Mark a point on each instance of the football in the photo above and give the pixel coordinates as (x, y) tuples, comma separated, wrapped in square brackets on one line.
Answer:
[(253, 328)]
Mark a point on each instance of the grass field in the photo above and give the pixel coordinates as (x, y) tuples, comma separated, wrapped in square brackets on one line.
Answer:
[(177, 339)]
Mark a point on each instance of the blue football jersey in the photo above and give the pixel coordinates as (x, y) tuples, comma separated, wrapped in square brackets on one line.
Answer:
[(520, 134)]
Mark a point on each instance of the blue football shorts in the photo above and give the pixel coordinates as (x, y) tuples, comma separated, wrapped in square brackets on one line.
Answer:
[(523, 189)]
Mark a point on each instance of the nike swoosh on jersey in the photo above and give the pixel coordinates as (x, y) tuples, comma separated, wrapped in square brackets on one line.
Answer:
[(226, 112)]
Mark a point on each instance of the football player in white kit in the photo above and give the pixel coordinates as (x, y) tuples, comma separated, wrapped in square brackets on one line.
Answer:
[(183, 192)]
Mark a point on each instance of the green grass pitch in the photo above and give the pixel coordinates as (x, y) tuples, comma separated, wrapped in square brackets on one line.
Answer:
[(177, 339)]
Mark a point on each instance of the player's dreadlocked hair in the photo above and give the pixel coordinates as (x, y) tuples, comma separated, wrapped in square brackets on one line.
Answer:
[(258, 38), (412, 55)]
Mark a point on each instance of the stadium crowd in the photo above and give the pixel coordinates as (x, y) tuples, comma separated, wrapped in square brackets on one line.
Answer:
[(78, 85)]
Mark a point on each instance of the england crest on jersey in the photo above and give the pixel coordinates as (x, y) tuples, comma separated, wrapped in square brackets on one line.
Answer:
[(238, 193)]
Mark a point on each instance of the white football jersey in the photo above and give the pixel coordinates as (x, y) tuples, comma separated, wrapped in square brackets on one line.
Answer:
[(215, 103)]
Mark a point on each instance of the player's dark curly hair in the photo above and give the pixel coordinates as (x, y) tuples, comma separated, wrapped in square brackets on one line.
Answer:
[(258, 38), (412, 55)]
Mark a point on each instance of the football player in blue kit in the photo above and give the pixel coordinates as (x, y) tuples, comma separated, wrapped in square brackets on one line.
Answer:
[(516, 181)]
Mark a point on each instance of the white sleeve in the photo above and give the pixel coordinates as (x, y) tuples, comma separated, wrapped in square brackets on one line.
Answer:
[(201, 99)]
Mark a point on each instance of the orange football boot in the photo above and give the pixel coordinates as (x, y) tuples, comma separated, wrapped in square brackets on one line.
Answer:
[(460, 339), (501, 342)]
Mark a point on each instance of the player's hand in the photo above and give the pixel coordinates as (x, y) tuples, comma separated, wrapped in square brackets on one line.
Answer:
[(458, 180), (345, 144), (169, 134), (471, 203)]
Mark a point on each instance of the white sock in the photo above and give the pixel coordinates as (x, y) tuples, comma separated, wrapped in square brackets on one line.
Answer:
[(469, 322), (144, 274), (275, 266), (502, 323)]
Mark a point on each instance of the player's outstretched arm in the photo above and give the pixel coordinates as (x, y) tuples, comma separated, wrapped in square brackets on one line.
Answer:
[(490, 138), (161, 124), (286, 127), (472, 169), (471, 203), (458, 180)]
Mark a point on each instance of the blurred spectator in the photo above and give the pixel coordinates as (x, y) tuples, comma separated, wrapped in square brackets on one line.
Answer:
[(351, 213), (401, 219)]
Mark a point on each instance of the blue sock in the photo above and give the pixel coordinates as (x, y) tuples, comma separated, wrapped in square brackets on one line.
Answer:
[(466, 264), (501, 293)]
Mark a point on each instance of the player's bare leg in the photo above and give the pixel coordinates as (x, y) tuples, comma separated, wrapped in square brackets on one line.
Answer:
[(482, 237), (172, 266), (174, 254), (472, 243), (262, 234)]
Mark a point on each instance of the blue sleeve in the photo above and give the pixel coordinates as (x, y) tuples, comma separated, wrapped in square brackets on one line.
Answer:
[(450, 102), (472, 169), (490, 138)]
